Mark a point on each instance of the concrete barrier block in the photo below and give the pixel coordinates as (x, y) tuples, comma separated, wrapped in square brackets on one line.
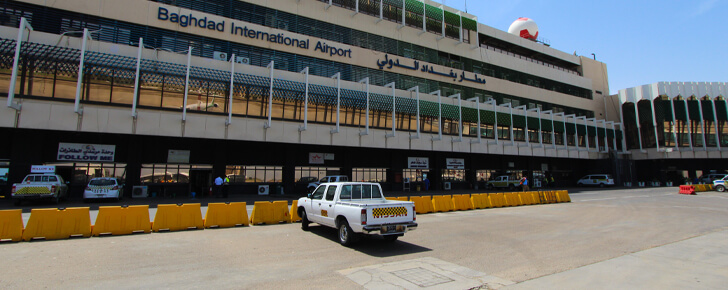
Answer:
[(117, 220), (177, 217), (423, 204), (11, 225), (563, 196), (294, 212), (225, 215), (442, 203), (54, 224)]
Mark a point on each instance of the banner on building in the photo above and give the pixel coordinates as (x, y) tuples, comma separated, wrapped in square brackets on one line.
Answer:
[(178, 156), (315, 158), (86, 152), (418, 163), (455, 163)]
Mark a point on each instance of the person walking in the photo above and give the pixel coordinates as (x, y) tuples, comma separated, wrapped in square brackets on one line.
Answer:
[(524, 184), (427, 183), (552, 182), (218, 185)]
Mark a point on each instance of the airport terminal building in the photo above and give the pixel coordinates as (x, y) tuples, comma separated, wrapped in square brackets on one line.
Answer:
[(169, 94)]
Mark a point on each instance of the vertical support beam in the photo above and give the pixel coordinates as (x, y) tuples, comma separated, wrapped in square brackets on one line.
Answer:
[(424, 17), (439, 115), (136, 79), (702, 124), (654, 125), (79, 83), (417, 93), (460, 118), (477, 108), (461, 28), (14, 76), (443, 23), (366, 132), (510, 108), (394, 110), (477, 35), (404, 20), (624, 138), (674, 122), (689, 124), (337, 76), (356, 7), (232, 87), (381, 11), (525, 129), (329, 5), (305, 101), (586, 126), (639, 128), (271, 68), (576, 131), (606, 143), (495, 118), (566, 143), (187, 85), (538, 115)]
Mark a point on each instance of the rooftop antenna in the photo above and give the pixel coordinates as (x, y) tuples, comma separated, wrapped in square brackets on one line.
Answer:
[(466, 6)]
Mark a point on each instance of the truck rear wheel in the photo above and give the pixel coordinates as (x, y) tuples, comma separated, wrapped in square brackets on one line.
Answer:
[(346, 236), (720, 188), (304, 220)]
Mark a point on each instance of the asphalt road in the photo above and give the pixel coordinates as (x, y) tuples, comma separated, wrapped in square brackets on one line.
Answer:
[(554, 246)]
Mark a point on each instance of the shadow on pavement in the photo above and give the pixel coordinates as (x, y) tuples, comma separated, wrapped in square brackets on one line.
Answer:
[(371, 245)]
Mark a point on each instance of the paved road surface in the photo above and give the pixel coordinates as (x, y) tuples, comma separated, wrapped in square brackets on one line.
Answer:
[(615, 238)]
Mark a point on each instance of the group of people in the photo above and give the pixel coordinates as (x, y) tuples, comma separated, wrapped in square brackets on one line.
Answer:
[(221, 186), (546, 183)]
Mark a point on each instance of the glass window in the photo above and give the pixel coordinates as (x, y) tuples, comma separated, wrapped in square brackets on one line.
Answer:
[(345, 192), (370, 174), (254, 174), (319, 193), (330, 192)]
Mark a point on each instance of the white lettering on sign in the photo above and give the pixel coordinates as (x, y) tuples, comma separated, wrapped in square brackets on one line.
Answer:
[(86, 152)]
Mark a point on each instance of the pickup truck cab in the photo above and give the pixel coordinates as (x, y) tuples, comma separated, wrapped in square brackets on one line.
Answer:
[(40, 186), (356, 209), (504, 181)]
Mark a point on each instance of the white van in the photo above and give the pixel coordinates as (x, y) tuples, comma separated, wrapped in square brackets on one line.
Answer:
[(600, 180)]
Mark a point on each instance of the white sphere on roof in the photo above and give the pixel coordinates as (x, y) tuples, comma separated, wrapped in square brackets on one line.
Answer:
[(524, 27)]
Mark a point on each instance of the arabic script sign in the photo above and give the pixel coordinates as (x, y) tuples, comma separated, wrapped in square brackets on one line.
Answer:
[(418, 163), (390, 63), (85, 152), (455, 163)]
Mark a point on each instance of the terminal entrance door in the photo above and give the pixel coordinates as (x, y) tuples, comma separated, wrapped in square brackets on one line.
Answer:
[(200, 182)]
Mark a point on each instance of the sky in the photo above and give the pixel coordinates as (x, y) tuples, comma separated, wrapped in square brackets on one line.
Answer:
[(641, 41)]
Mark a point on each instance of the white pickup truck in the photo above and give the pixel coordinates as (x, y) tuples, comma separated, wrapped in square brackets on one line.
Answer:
[(504, 181), (40, 186), (356, 209)]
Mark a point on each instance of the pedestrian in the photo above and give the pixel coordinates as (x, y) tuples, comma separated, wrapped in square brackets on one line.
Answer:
[(225, 187), (552, 182), (427, 183), (218, 185), (524, 184)]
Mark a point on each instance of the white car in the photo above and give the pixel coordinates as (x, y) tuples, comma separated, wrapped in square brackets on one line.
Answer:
[(600, 180), (103, 187)]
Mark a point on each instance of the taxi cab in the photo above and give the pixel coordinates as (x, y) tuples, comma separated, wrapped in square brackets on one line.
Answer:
[(103, 187)]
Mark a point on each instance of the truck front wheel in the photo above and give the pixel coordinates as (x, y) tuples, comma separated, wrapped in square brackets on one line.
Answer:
[(346, 236), (304, 220)]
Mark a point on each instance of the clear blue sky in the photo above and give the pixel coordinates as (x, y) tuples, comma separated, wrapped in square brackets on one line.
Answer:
[(642, 42)]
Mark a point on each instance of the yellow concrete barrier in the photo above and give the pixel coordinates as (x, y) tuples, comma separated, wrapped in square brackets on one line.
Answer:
[(442, 203), (511, 199), (480, 200), (563, 196), (265, 212), (177, 217), (535, 196), (54, 224), (117, 220), (462, 202), (402, 198), (497, 199), (225, 215), (11, 225), (294, 212), (423, 204), (526, 198)]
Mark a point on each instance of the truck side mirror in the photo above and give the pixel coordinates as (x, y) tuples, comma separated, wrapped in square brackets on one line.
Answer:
[(309, 195)]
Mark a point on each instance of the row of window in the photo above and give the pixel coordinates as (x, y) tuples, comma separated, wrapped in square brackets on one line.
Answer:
[(282, 20)]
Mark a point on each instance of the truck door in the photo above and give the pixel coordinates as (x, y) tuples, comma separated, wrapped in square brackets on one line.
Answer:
[(327, 207), (314, 214)]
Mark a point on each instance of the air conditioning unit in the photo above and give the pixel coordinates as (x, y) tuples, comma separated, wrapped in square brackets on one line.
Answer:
[(218, 55), (263, 189), (448, 185), (243, 60), (139, 192)]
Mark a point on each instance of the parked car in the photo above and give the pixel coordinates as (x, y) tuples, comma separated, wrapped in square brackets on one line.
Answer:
[(600, 180), (333, 178), (103, 188), (720, 184), (709, 178)]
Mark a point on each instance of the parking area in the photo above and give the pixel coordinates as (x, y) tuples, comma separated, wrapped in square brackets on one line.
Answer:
[(556, 246)]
